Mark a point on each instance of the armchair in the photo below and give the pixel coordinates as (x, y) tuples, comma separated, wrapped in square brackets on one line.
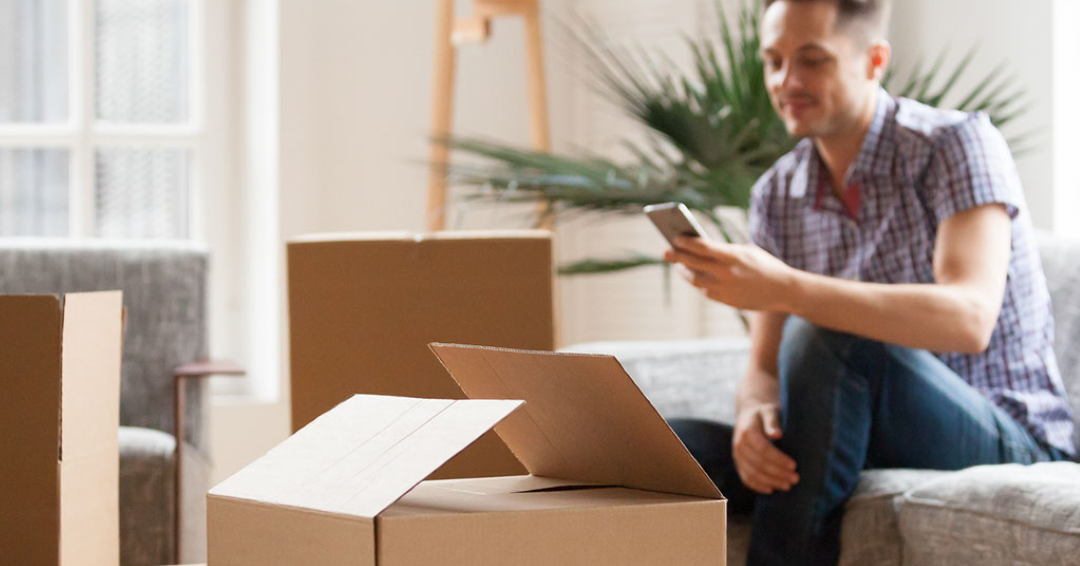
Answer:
[(164, 285)]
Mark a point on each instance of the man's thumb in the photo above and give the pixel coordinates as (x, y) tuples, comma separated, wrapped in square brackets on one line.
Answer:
[(771, 420)]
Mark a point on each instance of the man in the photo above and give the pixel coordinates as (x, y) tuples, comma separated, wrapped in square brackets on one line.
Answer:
[(891, 231)]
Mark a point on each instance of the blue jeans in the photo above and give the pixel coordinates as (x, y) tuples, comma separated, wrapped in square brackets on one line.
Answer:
[(847, 404)]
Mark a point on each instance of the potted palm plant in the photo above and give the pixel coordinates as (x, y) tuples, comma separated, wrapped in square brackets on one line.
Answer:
[(710, 132)]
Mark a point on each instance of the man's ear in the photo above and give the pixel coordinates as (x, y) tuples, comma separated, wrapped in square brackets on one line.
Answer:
[(880, 53)]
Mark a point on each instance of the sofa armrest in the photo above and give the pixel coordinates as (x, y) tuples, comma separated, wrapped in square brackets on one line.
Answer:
[(682, 378)]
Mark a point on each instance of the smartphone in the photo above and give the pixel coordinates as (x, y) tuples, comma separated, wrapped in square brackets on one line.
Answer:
[(673, 219)]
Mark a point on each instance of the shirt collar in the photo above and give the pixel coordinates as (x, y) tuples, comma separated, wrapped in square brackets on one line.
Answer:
[(874, 160), (806, 171), (875, 156)]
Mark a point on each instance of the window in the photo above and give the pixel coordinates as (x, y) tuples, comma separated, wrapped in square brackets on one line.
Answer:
[(101, 128), (115, 124)]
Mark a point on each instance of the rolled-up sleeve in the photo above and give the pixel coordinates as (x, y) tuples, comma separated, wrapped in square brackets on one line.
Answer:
[(972, 166)]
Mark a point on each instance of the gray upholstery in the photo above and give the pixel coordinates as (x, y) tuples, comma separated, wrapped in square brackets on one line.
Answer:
[(870, 534), (146, 494), (164, 285), (685, 378), (1061, 263), (990, 515), (1007, 514)]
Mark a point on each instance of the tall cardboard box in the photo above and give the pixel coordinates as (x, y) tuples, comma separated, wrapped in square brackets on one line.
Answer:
[(609, 483), (364, 307), (59, 415)]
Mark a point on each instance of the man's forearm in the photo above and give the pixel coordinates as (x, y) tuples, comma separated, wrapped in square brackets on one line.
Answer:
[(936, 317), (758, 387)]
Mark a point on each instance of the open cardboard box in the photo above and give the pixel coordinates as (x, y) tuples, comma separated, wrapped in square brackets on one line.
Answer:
[(608, 482), (363, 308), (59, 413)]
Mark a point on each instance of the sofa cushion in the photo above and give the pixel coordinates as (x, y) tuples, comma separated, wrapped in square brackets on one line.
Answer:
[(871, 534), (147, 476), (990, 515)]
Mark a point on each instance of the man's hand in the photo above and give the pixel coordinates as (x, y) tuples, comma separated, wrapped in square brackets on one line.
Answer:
[(742, 276), (761, 465)]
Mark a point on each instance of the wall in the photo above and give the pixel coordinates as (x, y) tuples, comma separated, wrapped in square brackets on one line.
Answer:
[(1017, 34), (1065, 49)]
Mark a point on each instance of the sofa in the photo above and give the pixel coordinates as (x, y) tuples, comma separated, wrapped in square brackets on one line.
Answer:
[(986, 515), (164, 286)]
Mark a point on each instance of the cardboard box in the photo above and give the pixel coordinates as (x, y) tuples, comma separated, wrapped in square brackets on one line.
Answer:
[(609, 483), (59, 413), (364, 307)]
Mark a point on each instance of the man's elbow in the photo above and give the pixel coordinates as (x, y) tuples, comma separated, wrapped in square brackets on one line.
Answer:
[(974, 344), (978, 328)]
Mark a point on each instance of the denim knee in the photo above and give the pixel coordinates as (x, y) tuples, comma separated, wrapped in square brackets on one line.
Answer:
[(804, 340), (800, 333), (809, 352)]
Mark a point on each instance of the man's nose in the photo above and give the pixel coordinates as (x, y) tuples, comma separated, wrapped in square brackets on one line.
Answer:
[(781, 77), (789, 79)]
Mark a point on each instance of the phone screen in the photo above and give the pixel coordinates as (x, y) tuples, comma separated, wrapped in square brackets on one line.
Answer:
[(674, 220)]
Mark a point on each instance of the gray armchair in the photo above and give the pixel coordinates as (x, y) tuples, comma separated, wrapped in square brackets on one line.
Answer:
[(164, 285)]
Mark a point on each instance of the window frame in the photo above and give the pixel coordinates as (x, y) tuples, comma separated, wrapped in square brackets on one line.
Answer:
[(235, 191), (82, 134)]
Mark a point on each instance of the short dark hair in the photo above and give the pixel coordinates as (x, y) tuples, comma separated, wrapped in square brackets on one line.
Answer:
[(867, 15)]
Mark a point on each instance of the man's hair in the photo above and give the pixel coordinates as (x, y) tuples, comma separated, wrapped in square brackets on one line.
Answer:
[(870, 17)]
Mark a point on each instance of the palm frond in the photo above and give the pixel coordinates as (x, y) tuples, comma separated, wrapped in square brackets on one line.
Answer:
[(592, 266)]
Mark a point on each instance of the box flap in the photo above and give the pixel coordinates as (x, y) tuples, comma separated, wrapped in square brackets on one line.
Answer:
[(585, 419), (90, 467), (363, 455)]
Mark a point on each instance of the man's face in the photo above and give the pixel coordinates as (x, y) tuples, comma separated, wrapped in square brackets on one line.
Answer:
[(818, 76)]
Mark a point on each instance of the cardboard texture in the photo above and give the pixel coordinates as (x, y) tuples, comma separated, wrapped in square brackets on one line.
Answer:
[(364, 307), (347, 489), (586, 419), (59, 459)]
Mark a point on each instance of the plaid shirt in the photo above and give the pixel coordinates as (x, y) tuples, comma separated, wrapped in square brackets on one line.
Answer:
[(917, 167)]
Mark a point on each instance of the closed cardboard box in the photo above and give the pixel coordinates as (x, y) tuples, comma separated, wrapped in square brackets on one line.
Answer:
[(59, 413), (364, 307), (609, 483)]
